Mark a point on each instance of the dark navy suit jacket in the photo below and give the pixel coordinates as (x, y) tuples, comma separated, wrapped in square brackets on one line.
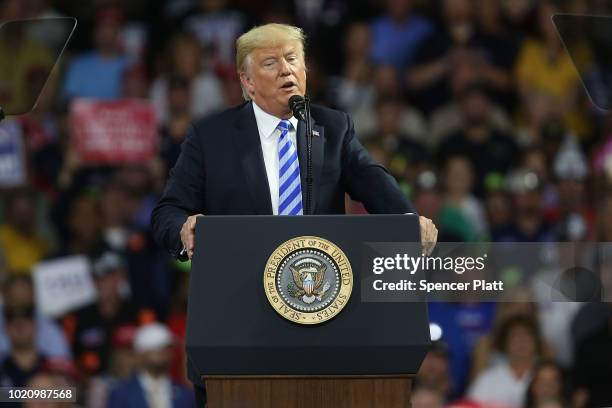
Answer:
[(221, 171), (130, 394)]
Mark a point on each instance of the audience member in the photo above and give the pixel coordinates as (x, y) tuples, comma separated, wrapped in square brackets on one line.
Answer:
[(20, 237), (435, 372), (48, 380), (489, 150), (175, 129), (426, 189), (456, 42), (404, 152), (505, 383), (83, 227), (152, 387), (518, 16), (93, 327), (425, 397), (216, 27), (24, 359), (449, 118), (106, 63), (354, 88), (49, 338), (544, 66), (528, 223), (135, 83), (186, 61), (386, 87), (462, 323), (518, 302), (498, 208), (397, 34), (459, 185), (547, 385)]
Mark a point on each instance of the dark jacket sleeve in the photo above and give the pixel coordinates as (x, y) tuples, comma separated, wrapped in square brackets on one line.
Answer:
[(183, 196), (369, 182)]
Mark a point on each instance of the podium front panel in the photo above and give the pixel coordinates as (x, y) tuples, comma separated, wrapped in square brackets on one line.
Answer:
[(233, 330)]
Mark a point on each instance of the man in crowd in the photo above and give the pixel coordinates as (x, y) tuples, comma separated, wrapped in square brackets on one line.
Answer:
[(93, 327), (152, 387), (24, 359)]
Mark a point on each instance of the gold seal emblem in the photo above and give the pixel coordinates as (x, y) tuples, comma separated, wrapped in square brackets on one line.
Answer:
[(308, 280)]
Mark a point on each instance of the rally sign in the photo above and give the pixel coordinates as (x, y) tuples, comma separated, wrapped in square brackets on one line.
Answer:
[(63, 285), (113, 132)]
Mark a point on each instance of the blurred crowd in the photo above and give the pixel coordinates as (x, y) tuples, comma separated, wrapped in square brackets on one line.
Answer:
[(474, 106)]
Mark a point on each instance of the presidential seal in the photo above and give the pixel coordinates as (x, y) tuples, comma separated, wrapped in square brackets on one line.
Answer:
[(308, 280)]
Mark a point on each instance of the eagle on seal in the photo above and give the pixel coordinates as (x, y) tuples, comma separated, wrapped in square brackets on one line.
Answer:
[(308, 280)]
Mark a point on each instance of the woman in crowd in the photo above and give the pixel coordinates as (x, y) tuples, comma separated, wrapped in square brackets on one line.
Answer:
[(547, 385), (504, 384)]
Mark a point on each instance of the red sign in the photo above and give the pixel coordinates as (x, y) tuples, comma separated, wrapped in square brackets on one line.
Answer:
[(113, 132)]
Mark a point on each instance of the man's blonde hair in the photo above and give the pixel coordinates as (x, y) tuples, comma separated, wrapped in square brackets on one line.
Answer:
[(265, 36)]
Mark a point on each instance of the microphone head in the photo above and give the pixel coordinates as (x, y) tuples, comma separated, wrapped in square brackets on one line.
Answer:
[(295, 100), (297, 104)]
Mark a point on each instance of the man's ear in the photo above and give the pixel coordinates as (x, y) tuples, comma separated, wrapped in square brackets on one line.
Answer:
[(247, 83)]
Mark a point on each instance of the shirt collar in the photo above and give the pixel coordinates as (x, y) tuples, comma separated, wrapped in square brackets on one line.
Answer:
[(268, 123), (148, 381)]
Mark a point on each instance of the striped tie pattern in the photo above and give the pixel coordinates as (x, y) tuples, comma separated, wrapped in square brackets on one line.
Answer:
[(290, 188)]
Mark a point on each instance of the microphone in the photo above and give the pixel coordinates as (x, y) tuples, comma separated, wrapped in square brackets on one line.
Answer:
[(300, 106), (297, 104)]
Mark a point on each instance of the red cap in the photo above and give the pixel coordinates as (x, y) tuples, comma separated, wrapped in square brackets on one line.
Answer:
[(124, 336), (61, 366), (110, 15)]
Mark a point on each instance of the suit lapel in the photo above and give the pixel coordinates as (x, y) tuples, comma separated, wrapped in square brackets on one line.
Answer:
[(248, 145), (318, 143)]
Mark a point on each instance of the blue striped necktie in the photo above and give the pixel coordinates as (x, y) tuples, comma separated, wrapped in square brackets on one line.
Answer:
[(290, 187)]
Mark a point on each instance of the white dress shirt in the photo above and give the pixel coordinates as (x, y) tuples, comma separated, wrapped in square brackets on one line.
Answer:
[(158, 391), (269, 135)]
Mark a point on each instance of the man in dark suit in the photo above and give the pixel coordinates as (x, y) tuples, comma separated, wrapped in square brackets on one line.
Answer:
[(251, 159)]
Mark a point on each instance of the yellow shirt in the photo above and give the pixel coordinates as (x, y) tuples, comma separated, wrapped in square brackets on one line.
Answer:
[(557, 77), (21, 252)]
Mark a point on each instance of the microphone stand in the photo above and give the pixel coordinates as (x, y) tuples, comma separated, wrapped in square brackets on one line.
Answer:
[(308, 201)]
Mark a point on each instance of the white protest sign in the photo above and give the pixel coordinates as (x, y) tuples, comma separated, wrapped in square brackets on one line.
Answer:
[(63, 285)]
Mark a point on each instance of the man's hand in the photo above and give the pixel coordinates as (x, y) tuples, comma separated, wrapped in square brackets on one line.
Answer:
[(188, 234), (429, 235)]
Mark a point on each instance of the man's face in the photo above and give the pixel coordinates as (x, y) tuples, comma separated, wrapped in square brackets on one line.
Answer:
[(157, 361), (273, 75), (20, 331), (22, 214), (109, 285), (84, 220), (107, 35), (475, 108), (19, 293)]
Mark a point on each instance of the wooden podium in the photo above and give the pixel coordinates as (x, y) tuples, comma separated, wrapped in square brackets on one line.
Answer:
[(307, 392), (249, 356)]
